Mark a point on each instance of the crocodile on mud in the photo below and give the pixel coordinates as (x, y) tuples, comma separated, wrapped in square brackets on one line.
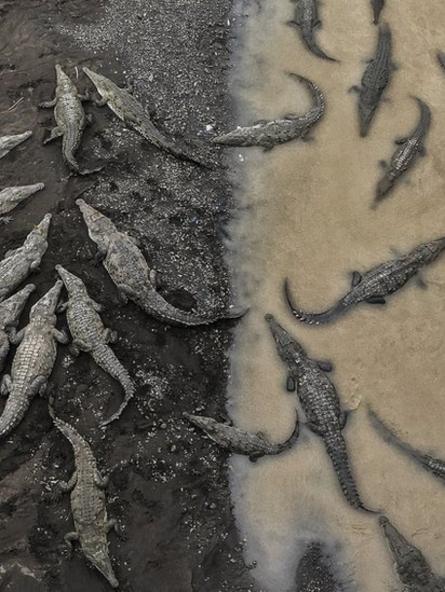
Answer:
[(88, 506), (70, 119), (278, 131), (127, 108), (129, 271), (377, 7), (33, 360), (90, 336), (411, 565), (10, 197), (10, 312), (7, 143), (306, 20), (436, 466), (374, 285), (19, 263), (320, 403), (238, 441), (375, 79), (406, 154)]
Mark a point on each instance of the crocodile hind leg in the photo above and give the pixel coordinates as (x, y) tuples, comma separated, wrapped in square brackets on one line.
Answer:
[(110, 336), (70, 538), (101, 482), (112, 525), (6, 385), (60, 337), (68, 485), (56, 132)]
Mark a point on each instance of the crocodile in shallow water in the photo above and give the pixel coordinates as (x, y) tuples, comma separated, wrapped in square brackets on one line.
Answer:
[(306, 20)]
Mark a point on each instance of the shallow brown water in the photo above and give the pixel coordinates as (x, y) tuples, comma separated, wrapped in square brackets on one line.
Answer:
[(307, 216)]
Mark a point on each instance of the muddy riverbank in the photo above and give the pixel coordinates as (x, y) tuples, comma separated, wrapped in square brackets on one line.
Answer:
[(168, 486)]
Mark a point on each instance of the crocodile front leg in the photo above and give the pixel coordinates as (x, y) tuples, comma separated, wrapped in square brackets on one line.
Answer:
[(15, 337), (48, 104)]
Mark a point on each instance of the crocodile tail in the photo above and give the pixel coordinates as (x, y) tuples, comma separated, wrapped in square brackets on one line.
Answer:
[(67, 430), (105, 358), (313, 318), (312, 46), (336, 448), (291, 440), (13, 413), (155, 305), (187, 155)]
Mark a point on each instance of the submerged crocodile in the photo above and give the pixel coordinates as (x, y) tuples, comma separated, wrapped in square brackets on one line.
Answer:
[(130, 273), (377, 7), (10, 197), (406, 154), (440, 58), (10, 311), (33, 360), (89, 334), (375, 80), (7, 143), (320, 403), (306, 20), (411, 566), (436, 466), (125, 106), (88, 505), (240, 442), (374, 285), (278, 131), (19, 263), (70, 119)]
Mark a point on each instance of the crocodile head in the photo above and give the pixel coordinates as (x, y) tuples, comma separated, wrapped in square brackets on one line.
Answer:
[(46, 306), (104, 86), (97, 553), (288, 348), (99, 226), (38, 236), (410, 564), (12, 308), (63, 81), (73, 284)]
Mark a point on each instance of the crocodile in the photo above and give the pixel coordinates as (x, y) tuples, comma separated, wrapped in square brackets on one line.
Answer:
[(133, 114), (10, 197), (374, 285), (7, 143), (411, 566), (278, 131), (406, 153), (89, 334), (33, 360), (306, 20), (129, 271), (320, 403), (10, 312), (88, 504), (19, 263), (375, 79), (436, 466), (239, 441), (377, 7), (70, 119)]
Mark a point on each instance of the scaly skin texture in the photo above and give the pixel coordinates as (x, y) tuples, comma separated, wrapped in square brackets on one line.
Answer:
[(10, 312), (411, 566), (436, 466), (377, 7), (278, 131), (406, 154), (87, 503), (374, 285), (19, 263), (375, 79), (306, 20), (90, 336), (70, 119), (320, 403), (33, 361), (7, 143), (12, 196), (240, 442), (129, 271), (125, 106)]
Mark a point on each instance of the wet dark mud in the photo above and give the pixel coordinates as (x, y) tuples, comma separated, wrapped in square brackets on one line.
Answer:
[(168, 485)]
